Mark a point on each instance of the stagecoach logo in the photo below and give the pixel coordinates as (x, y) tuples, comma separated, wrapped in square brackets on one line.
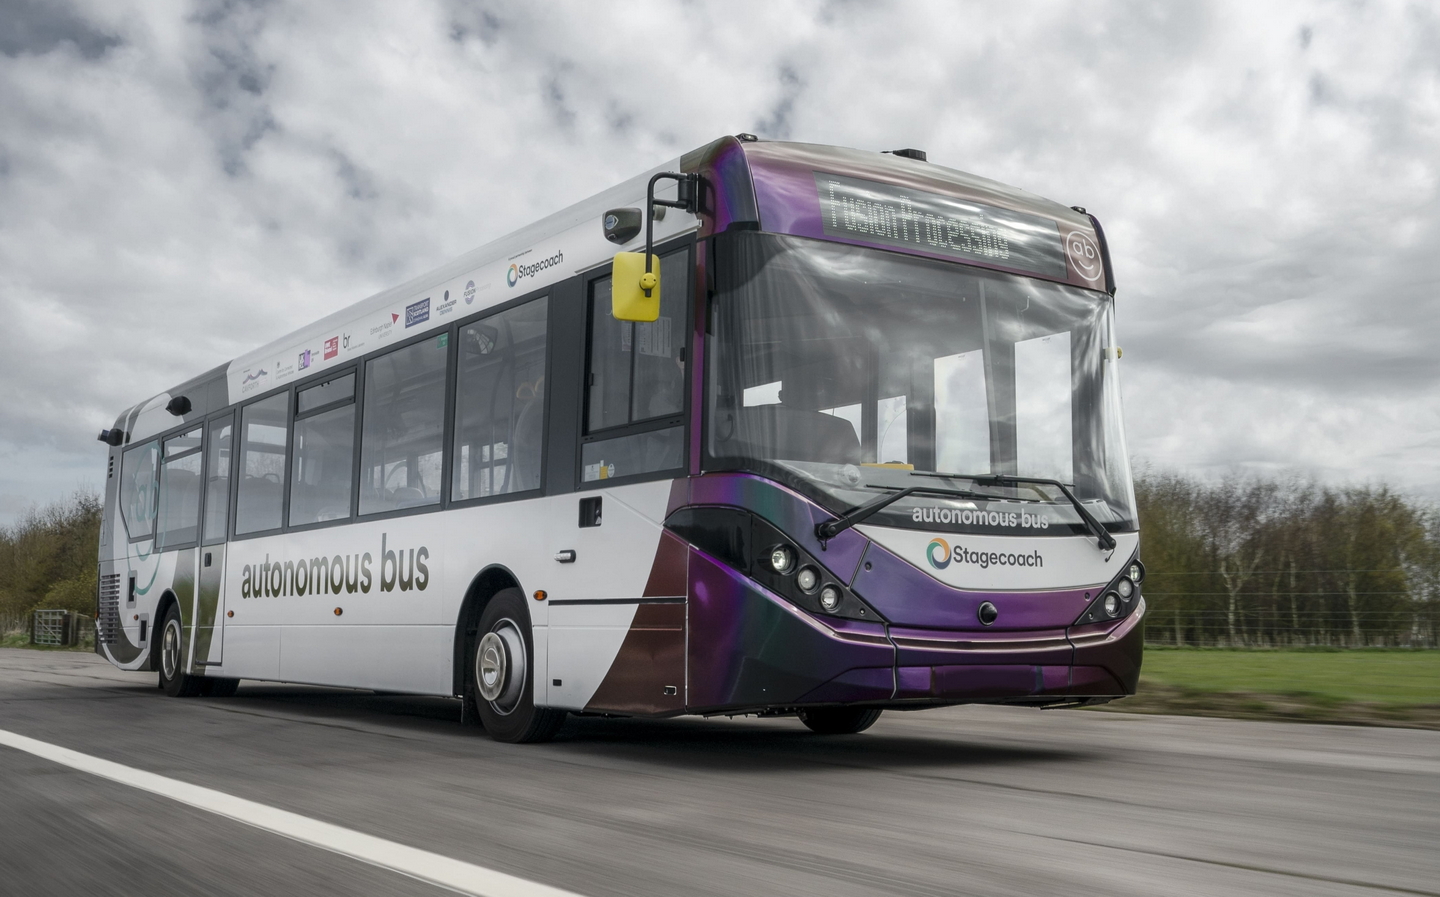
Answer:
[(519, 271), (417, 312), (400, 569), (940, 555), (1084, 255)]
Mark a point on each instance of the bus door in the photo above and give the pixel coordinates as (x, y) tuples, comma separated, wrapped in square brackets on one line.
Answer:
[(617, 631), (210, 603)]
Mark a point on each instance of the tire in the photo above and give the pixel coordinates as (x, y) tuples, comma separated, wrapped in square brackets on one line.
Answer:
[(839, 720), (173, 680), (219, 688), (500, 674)]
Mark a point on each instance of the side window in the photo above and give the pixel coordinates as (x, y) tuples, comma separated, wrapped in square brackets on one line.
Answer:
[(139, 482), (636, 376), (402, 442), (260, 497), (217, 478), (500, 403), (637, 371), (324, 451), (179, 517)]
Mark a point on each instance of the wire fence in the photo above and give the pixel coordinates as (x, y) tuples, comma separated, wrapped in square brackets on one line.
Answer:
[(1273, 622)]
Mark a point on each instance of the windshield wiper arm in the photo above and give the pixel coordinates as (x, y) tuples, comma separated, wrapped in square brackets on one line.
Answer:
[(1107, 541), (832, 528)]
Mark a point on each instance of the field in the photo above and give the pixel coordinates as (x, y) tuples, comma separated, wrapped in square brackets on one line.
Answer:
[(1361, 686)]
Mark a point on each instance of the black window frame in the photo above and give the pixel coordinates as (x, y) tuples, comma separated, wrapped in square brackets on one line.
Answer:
[(237, 462), (453, 396), (446, 424), (682, 419), (232, 412), (160, 484), (319, 379)]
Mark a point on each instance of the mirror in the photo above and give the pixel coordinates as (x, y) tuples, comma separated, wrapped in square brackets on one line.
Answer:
[(628, 300)]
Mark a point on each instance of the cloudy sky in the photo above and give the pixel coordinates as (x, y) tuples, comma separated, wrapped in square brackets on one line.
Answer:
[(181, 182)]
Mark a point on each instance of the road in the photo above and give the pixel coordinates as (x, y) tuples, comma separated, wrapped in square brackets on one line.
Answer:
[(958, 801)]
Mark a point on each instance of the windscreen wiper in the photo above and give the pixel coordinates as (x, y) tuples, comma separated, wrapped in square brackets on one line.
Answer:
[(1107, 541), (832, 528)]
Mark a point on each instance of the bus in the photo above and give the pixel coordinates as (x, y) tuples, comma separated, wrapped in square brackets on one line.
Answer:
[(775, 428)]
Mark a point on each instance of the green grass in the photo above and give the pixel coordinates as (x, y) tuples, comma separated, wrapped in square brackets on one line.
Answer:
[(21, 639), (1380, 676)]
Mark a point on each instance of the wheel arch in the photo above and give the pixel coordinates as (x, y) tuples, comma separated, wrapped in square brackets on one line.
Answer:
[(483, 587), (167, 600)]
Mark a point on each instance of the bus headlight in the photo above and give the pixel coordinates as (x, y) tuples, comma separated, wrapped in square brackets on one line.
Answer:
[(1137, 572), (1112, 604), (830, 598), (782, 558), (807, 579), (1126, 588)]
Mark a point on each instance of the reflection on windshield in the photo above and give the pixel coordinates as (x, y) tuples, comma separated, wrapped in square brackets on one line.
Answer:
[(851, 368)]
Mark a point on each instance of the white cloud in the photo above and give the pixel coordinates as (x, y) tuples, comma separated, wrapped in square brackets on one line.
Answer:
[(181, 182)]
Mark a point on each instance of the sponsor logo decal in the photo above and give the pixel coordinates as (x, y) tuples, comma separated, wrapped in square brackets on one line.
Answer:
[(519, 271), (401, 570), (1084, 255), (446, 305), (252, 379), (417, 312), (305, 358), (332, 347), (469, 292), (943, 560)]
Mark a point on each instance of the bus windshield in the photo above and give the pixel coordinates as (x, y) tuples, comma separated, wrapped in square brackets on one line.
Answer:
[(846, 371)]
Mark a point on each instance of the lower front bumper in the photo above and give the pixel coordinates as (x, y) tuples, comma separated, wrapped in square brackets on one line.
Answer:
[(1062, 666)]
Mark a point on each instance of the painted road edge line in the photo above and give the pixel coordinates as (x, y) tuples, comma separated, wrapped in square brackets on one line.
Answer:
[(434, 868)]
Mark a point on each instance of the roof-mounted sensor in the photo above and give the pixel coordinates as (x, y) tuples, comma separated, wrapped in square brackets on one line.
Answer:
[(917, 155)]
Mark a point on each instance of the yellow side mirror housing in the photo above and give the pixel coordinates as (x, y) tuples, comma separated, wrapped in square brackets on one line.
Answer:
[(629, 282)]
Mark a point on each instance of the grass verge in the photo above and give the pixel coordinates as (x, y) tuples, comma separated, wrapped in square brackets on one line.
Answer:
[(1384, 687), (21, 639)]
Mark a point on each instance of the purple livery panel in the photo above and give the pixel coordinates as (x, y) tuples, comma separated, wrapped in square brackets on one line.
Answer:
[(738, 646)]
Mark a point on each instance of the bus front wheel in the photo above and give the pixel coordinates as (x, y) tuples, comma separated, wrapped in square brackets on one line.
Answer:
[(173, 678), (501, 671), (839, 720)]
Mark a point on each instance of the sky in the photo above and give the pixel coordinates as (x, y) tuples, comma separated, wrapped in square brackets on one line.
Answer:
[(182, 182)]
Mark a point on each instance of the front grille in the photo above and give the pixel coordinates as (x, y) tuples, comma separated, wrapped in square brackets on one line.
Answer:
[(107, 627)]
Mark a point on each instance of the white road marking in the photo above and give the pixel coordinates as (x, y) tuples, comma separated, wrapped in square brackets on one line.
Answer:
[(443, 871)]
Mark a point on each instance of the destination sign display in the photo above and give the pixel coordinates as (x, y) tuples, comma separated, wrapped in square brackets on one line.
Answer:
[(889, 215)]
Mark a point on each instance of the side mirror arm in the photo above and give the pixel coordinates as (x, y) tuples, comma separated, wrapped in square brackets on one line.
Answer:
[(687, 197)]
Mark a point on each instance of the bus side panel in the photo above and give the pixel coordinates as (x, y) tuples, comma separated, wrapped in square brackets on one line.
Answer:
[(647, 677)]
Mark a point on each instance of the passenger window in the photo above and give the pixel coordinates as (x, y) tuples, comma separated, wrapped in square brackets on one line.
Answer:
[(139, 482), (260, 498), (402, 445), (637, 371), (324, 452), (500, 403), (179, 515), (217, 482)]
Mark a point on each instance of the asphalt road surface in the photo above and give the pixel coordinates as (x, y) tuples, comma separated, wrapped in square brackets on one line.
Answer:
[(972, 800)]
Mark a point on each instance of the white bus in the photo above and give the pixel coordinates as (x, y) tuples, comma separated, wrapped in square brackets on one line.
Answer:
[(856, 446)]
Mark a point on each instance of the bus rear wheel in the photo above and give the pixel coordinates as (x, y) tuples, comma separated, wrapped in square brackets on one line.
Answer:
[(501, 671), (839, 720), (173, 679)]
